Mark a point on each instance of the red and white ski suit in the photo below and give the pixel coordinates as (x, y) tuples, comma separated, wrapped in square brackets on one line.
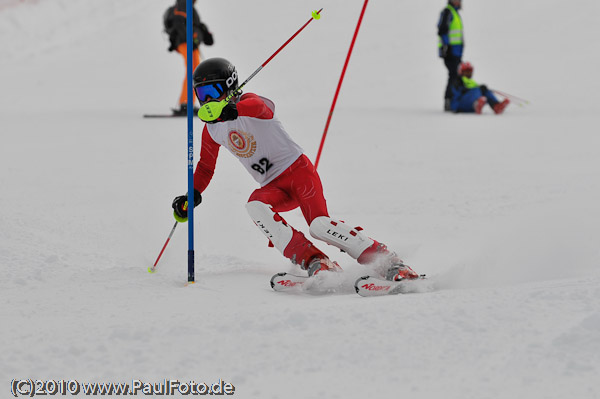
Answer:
[(288, 180)]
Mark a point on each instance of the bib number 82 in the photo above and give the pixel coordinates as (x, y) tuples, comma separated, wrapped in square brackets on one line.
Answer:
[(262, 166)]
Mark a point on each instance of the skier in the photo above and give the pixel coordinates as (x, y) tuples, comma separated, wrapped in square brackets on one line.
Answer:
[(174, 21), (450, 44), (250, 130), (469, 96)]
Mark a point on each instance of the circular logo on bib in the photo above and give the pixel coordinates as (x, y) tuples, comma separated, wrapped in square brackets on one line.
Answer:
[(242, 144)]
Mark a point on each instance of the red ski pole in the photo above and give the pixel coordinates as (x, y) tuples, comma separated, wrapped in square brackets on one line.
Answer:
[(337, 91), (315, 15), (153, 268), (212, 110)]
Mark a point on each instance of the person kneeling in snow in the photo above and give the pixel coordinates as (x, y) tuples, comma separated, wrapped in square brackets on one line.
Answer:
[(250, 130), (468, 96)]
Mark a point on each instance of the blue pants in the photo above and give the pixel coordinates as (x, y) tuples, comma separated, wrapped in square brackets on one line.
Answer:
[(464, 102)]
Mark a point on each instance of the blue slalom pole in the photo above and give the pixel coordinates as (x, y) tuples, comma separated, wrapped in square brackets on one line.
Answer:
[(190, 138)]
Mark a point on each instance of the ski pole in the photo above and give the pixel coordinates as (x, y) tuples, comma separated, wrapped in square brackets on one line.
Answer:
[(153, 268), (212, 110), (518, 99), (337, 91)]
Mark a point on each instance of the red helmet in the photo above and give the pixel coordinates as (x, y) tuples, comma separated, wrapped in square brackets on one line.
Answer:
[(465, 68)]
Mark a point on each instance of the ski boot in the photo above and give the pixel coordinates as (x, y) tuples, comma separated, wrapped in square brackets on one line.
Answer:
[(499, 108), (387, 262), (399, 271), (319, 264), (479, 103)]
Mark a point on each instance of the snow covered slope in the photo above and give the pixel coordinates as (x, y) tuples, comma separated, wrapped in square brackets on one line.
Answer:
[(500, 211)]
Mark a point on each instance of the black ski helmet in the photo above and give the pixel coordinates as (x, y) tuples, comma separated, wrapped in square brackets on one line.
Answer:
[(216, 70)]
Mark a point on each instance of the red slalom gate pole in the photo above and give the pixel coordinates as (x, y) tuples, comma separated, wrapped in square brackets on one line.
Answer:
[(337, 91)]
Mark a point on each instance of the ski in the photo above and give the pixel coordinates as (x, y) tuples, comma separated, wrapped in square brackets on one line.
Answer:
[(364, 286), (175, 114), (287, 282), (163, 116), (374, 286)]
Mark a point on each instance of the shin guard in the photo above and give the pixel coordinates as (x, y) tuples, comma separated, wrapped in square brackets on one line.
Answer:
[(340, 235), (289, 241), (271, 224)]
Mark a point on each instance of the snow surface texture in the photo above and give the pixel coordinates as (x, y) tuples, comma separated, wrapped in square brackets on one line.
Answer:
[(500, 211)]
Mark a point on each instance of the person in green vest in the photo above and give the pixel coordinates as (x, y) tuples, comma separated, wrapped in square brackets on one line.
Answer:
[(450, 44), (469, 96)]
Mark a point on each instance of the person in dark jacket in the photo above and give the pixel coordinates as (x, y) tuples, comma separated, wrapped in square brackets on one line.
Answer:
[(175, 26), (450, 44), (469, 96)]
